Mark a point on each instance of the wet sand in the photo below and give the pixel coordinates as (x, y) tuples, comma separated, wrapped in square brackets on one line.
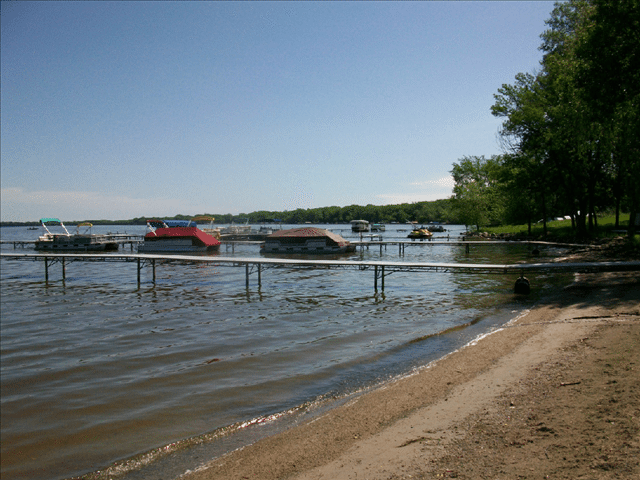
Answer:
[(456, 418)]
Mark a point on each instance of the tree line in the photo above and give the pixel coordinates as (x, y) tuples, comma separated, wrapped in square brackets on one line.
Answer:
[(440, 211), (421, 212), (570, 131)]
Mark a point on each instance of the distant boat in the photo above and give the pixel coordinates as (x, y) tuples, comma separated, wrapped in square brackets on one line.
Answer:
[(176, 236), (420, 233), (210, 229), (65, 241), (434, 227), (378, 227), (310, 240), (359, 226)]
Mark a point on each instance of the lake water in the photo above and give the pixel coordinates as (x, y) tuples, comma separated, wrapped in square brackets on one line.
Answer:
[(102, 374)]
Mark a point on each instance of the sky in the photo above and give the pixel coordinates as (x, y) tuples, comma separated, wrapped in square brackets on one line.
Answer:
[(116, 110)]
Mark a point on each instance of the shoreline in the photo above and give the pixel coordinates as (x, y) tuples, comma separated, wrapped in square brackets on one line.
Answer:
[(410, 427)]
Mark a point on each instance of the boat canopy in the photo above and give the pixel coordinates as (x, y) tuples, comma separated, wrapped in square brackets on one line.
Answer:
[(171, 223), (306, 233), (45, 221)]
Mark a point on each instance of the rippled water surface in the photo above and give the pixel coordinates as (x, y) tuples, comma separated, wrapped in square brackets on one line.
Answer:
[(97, 368)]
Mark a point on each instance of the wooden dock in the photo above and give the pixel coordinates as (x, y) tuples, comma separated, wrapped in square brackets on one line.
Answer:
[(381, 269)]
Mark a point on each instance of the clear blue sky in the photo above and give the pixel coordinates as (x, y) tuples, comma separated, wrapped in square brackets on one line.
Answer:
[(122, 109)]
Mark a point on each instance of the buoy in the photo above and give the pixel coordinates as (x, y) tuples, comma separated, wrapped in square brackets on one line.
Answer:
[(522, 286)]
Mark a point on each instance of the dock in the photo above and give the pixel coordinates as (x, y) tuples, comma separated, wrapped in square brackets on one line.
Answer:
[(380, 269)]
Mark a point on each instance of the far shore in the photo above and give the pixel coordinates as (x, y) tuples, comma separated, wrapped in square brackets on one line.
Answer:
[(521, 402)]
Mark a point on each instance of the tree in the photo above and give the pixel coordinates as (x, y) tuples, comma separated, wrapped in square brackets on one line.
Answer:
[(609, 68), (477, 197)]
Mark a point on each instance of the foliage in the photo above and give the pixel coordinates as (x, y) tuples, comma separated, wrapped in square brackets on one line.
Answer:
[(422, 212), (569, 131), (477, 198)]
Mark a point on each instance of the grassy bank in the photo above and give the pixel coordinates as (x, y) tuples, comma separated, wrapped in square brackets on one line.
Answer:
[(561, 230)]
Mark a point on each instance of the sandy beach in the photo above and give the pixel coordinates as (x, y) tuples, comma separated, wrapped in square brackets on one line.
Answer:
[(553, 394)]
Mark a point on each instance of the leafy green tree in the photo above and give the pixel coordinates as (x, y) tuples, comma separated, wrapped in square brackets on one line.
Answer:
[(477, 196), (609, 68)]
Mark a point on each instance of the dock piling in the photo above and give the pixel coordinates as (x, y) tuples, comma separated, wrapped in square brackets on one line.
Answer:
[(375, 278)]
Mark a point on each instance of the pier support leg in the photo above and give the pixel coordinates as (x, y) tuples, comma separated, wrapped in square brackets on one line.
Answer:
[(64, 270), (138, 260), (46, 269), (382, 278), (466, 249), (153, 267), (375, 278), (259, 275), (246, 270)]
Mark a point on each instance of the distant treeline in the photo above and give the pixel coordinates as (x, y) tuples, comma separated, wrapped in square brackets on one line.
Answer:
[(421, 212)]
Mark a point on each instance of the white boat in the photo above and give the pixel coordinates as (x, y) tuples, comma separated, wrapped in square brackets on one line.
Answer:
[(359, 226), (378, 227), (65, 241)]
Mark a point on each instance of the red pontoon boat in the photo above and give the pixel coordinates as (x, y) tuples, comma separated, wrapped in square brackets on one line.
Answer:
[(177, 236)]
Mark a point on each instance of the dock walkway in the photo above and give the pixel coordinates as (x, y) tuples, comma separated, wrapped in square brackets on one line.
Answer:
[(381, 269)]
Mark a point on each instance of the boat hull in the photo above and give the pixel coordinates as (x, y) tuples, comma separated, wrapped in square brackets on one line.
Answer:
[(159, 247), (74, 243), (307, 249)]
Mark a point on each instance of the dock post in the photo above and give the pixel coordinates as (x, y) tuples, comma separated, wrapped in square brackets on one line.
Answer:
[(138, 260), (64, 270), (246, 269), (382, 278), (46, 269), (259, 275), (153, 267), (375, 278), (466, 248)]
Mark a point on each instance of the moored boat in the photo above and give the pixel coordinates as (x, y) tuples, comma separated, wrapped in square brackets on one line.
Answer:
[(309, 240), (359, 226), (210, 229), (436, 227), (175, 236), (420, 233), (65, 241)]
